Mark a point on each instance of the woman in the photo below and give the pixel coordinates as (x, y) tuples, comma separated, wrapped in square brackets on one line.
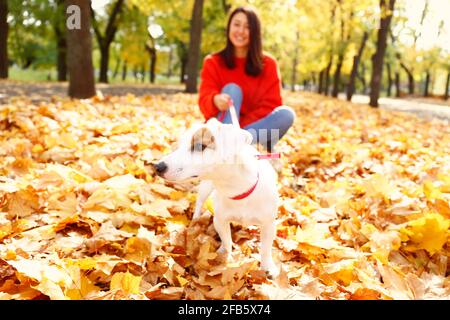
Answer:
[(242, 75)]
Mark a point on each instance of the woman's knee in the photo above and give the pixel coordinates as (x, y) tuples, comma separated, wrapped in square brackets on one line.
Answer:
[(232, 88), (287, 115)]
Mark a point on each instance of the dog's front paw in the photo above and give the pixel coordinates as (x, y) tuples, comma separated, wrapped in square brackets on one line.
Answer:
[(272, 270), (222, 250), (224, 253)]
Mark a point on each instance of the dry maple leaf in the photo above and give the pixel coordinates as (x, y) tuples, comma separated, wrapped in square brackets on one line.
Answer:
[(429, 232), (363, 211), (126, 282)]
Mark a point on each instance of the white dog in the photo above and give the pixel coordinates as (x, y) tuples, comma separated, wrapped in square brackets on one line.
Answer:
[(243, 188)]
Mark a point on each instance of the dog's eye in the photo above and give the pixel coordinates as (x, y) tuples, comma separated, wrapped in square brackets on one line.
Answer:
[(198, 147)]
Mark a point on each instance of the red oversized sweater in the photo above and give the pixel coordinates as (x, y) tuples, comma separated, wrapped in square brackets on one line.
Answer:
[(261, 94)]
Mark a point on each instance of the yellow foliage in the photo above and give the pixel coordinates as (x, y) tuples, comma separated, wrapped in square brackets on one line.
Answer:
[(429, 232), (85, 288), (125, 281), (431, 192), (182, 281)]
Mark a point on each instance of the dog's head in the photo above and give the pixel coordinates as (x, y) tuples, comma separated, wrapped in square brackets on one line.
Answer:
[(202, 150)]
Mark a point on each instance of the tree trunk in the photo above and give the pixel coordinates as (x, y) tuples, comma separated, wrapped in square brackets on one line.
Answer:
[(313, 81), (153, 66), (169, 64), (183, 70), (320, 86), (116, 69), (427, 84), (354, 72), (104, 62), (61, 40), (331, 49), (226, 6), (3, 39), (294, 62), (447, 85), (378, 57), (182, 52), (124, 71), (194, 46), (341, 52), (152, 52), (362, 78), (79, 54), (62, 58), (104, 41), (337, 76), (397, 85), (27, 63), (327, 76), (432, 84), (404, 67), (411, 86), (135, 73), (409, 73), (294, 74), (390, 81)]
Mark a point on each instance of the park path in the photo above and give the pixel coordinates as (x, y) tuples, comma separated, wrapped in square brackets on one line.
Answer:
[(43, 91), (423, 109)]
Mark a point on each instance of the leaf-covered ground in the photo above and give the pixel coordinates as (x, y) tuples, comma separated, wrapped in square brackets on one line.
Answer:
[(364, 215)]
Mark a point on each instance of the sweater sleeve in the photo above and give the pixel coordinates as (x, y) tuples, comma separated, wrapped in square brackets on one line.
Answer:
[(270, 89), (209, 87)]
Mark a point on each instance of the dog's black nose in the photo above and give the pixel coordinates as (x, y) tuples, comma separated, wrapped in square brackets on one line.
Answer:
[(160, 167)]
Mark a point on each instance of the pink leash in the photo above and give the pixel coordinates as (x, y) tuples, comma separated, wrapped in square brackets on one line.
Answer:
[(276, 155)]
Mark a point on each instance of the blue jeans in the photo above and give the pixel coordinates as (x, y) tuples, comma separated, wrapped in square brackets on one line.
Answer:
[(266, 131)]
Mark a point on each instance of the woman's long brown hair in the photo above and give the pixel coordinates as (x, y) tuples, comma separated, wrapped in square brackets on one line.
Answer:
[(254, 63)]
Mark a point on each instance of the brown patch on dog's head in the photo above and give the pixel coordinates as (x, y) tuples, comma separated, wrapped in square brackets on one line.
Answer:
[(202, 139)]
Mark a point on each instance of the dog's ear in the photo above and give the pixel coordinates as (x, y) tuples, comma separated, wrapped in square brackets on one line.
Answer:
[(213, 121), (247, 136), (241, 136), (236, 136), (202, 139)]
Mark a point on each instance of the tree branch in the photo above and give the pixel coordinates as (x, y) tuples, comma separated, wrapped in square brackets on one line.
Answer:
[(95, 26), (226, 6), (111, 28)]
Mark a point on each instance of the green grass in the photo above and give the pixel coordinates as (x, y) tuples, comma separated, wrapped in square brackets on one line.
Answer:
[(37, 75), (130, 79), (31, 74)]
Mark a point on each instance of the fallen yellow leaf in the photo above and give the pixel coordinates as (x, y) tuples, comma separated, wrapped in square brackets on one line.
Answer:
[(126, 282), (429, 232)]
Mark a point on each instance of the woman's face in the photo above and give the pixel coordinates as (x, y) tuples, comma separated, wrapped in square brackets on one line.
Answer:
[(239, 31)]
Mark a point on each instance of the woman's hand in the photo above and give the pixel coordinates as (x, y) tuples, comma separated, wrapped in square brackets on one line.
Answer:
[(222, 101)]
